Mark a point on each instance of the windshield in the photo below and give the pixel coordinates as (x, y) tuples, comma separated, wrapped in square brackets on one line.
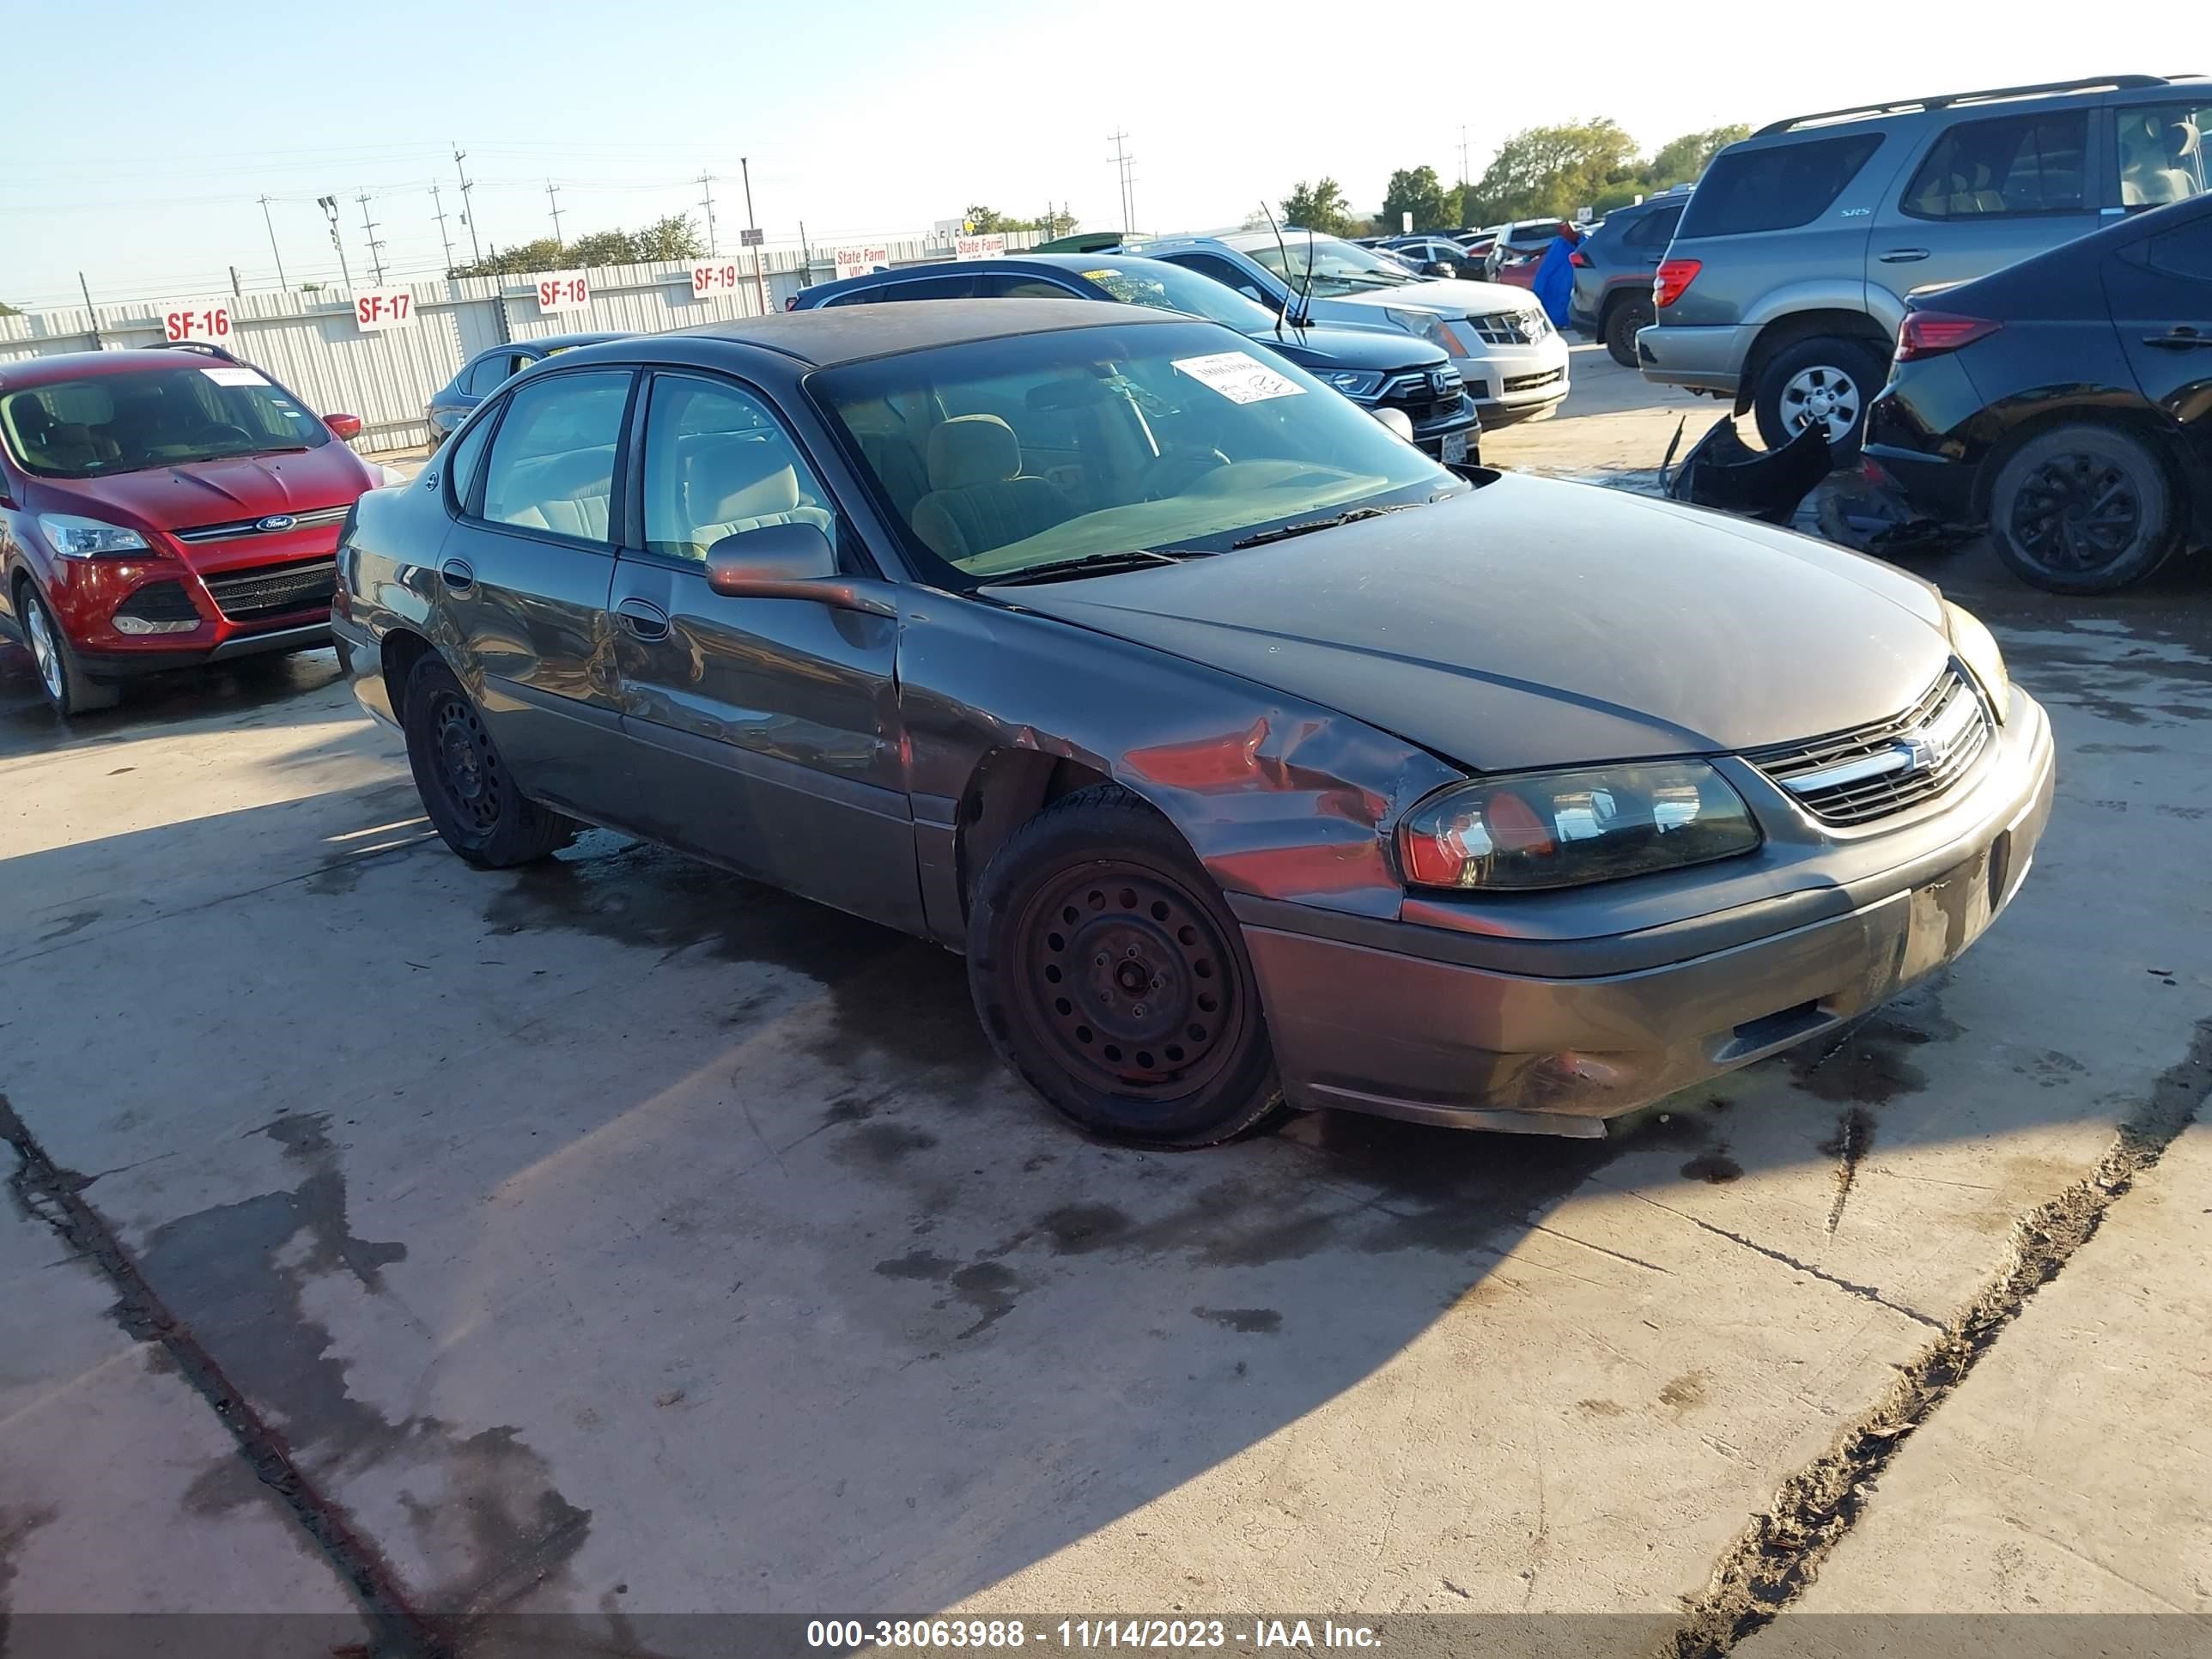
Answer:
[(1337, 267), (1170, 288), (106, 423), (1001, 457)]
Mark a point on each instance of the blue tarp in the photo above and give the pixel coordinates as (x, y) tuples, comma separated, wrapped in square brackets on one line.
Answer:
[(1555, 280)]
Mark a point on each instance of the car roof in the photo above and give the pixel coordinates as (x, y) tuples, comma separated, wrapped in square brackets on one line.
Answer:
[(75, 365), (557, 342), (829, 335)]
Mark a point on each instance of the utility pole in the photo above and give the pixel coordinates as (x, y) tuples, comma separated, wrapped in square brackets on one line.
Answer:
[(706, 182), (272, 223), (91, 317), (376, 246), (438, 201), (553, 198), (753, 232), (1463, 179), (805, 248), (330, 207), (468, 216), (236, 292), (1121, 161)]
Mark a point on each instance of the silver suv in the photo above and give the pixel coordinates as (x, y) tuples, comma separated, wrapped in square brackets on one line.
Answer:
[(1786, 279)]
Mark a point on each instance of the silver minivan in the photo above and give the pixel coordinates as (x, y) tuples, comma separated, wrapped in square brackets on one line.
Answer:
[(1787, 278)]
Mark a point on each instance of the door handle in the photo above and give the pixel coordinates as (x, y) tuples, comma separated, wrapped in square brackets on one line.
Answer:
[(2181, 337), (647, 621), (459, 575), (1903, 256)]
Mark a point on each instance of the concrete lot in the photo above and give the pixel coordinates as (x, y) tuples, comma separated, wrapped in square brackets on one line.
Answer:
[(615, 1238)]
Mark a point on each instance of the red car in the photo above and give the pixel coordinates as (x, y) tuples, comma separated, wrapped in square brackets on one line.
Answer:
[(165, 507)]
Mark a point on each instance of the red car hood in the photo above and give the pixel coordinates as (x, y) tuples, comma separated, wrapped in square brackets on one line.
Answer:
[(217, 492)]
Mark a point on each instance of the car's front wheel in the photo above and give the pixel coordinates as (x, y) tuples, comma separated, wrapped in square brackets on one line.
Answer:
[(2082, 509), (69, 689), (1621, 323), (1109, 974), (467, 791)]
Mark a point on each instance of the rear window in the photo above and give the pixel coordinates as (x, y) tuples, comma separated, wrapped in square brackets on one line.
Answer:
[(2015, 165), (1777, 188), (1654, 230)]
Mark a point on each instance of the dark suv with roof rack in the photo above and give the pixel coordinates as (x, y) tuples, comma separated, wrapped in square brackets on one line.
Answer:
[(1788, 275)]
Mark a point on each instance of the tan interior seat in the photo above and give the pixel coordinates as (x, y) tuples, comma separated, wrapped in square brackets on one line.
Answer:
[(569, 494), (732, 484), (979, 497)]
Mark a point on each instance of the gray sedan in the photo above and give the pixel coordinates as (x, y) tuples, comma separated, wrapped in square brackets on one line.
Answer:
[(1253, 760)]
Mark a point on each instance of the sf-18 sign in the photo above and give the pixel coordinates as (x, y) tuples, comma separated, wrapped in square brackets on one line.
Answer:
[(560, 291), (713, 276), (209, 320), (980, 247), (860, 261), (375, 309)]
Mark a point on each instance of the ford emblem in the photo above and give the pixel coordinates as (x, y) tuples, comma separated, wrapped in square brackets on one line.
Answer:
[(276, 521)]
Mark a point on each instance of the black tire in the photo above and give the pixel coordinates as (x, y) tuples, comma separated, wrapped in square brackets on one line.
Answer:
[(1621, 323), (69, 690), (471, 800), (1821, 376), (1109, 972), (2083, 509)]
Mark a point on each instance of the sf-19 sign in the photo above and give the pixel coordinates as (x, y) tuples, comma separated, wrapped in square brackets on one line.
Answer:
[(713, 276), (375, 309), (208, 321), (560, 291)]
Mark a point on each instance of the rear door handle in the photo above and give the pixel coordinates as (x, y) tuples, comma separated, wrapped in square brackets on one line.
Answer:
[(458, 574), (1903, 256), (645, 620), (2181, 337)]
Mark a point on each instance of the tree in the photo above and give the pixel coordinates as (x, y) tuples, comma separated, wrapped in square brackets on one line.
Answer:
[(1680, 161), (1318, 207), (7, 310), (1418, 191), (671, 238), (1547, 171), (1055, 221)]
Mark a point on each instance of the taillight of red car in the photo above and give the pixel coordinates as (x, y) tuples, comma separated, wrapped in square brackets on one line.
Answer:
[(1673, 280), (1931, 333)]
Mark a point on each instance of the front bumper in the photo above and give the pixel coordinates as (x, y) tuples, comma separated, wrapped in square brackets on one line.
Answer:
[(1702, 359), (361, 658), (1417, 1021), (1934, 486), (158, 658)]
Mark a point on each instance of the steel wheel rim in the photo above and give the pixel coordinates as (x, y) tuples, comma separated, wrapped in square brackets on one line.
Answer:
[(1824, 394), (2078, 513), (466, 764), (44, 652), (1130, 982)]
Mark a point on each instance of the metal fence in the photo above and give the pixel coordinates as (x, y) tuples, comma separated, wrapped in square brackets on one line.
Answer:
[(312, 344)]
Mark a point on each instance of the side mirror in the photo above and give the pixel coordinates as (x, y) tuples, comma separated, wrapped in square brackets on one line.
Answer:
[(1397, 421), (786, 561), (347, 427)]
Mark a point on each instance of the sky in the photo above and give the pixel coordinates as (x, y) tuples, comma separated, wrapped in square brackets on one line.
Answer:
[(162, 128)]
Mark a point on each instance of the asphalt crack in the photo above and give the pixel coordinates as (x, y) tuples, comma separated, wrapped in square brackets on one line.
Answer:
[(1779, 1553), (55, 1195)]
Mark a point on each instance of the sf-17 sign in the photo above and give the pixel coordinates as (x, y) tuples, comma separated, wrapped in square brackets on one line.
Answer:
[(375, 309)]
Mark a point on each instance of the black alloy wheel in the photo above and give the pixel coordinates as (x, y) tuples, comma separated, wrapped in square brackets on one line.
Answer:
[(2082, 509)]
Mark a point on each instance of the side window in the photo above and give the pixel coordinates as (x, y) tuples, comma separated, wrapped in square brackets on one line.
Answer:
[(486, 375), (1005, 286), (461, 459), (552, 465), (718, 464), (1208, 264), (2184, 252), (2161, 153), (2014, 165), (1776, 188), (1654, 230), (962, 287)]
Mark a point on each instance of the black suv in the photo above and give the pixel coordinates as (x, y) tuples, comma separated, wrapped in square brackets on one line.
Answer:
[(1614, 268), (1381, 370)]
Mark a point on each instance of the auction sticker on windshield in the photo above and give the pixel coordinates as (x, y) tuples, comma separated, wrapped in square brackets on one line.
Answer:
[(240, 376), (1238, 377)]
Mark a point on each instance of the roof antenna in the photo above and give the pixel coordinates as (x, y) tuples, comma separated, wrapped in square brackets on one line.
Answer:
[(1286, 254)]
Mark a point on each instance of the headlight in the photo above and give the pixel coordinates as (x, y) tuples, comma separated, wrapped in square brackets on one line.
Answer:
[(388, 478), (1355, 382), (1429, 326), (88, 539), (1977, 648), (1535, 324), (1566, 829)]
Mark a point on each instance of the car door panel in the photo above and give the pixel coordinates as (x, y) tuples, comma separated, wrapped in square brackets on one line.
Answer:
[(2160, 293), (769, 726)]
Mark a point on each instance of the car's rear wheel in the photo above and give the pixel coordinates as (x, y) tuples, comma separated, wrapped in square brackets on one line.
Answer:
[(1830, 381), (2082, 509), (1621, 323), (69, 689), (1109, 974), (467, 791)]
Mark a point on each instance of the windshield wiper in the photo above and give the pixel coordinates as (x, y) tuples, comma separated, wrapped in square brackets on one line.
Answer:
[(1283, 532), (1094, 564)]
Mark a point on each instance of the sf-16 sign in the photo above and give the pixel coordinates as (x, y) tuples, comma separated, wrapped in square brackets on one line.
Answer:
[(209, 320)]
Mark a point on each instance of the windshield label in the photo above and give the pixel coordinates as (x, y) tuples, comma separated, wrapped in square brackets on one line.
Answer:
[(1238, 377), (234, 376)]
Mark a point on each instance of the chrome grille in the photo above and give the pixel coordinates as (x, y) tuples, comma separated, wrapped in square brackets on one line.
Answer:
[(1510, 327), (237, 529), (1530, 382), (1871, 771), (268, 590)]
